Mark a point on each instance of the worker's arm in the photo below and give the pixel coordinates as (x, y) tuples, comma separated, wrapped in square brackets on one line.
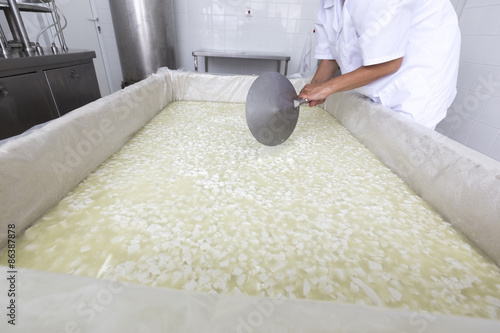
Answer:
[(326, 70), (322, 85)]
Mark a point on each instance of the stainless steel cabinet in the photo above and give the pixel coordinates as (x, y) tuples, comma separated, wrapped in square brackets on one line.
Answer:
[(37, 89), (72, 86), (24, 102)]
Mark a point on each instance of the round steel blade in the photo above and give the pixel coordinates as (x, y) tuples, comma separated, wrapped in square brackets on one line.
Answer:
[(270, 112)]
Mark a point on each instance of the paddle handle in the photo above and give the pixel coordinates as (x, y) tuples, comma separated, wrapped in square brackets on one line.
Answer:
[(299, 101)]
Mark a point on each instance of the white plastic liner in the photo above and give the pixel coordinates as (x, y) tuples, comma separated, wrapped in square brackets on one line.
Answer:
[(52, 302), (41, 166), (462, 184)]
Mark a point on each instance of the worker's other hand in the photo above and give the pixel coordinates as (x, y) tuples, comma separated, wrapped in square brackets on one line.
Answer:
[(315, 92)]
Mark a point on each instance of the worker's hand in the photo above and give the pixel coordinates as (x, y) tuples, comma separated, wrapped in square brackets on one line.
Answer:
[(315, 92)]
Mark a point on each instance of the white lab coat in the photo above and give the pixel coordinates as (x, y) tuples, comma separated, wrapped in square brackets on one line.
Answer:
[(424, 32)]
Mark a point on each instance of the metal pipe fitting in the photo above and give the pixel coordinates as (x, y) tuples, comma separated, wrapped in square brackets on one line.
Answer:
[(39, 49), (54, 48), (6, 50), (18, 20)]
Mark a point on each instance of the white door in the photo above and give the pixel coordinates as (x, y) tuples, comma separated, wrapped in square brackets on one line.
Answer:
[(82, 34)]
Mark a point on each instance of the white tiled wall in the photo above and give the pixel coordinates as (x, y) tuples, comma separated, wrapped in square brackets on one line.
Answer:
[(273, 26), (474, 117)]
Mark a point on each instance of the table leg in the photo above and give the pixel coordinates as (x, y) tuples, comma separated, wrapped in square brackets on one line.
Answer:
[(286, 67), (206, 64), (196, 63)]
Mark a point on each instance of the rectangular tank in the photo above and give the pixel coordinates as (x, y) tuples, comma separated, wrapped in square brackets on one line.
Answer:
[(41, 166)]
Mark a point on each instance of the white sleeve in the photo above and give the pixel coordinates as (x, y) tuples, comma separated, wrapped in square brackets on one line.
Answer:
[(322, 49), (383, 28)]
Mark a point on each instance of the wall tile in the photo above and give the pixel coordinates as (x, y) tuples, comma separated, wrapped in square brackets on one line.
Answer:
[(231, 38), (459, 6), (472, 106), (474, 48), (230, 9), (443, 127), (488, 21), (469, 20), (230, 22), (179, 6), (182, 26), (282, 10), (461, 129), (185, 59), (495, 149), (193, 6), (249, 40), (492, 57), (459, 98), (491, 113), (294, 11), (200, 35), (201, 21), (454, 3), (466, 74), (292, 26), (451, 125), (218, 38), (487, 80), (218, 8), (270, 10), (218, 22), (482, 138), (306, 27), (241, 8), (474, 3)]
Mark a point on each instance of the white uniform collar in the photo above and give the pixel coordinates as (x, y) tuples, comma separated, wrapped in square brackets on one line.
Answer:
[(331, 3)]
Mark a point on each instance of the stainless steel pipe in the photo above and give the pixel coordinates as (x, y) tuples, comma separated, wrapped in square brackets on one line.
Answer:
[(21, 29), (6, 50)]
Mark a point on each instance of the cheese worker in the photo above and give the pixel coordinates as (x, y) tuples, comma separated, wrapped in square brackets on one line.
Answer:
[(400, 53)]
